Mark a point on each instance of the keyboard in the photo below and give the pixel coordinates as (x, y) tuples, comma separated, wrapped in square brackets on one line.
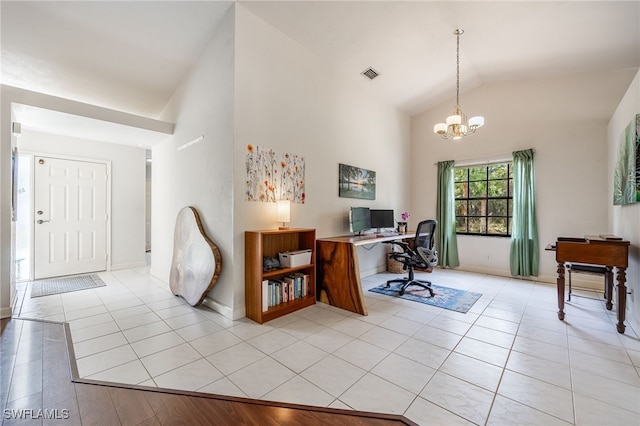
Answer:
[(387, 234)]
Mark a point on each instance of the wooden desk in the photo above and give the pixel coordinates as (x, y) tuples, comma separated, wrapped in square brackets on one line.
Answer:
[(595, 250), (338, 270)]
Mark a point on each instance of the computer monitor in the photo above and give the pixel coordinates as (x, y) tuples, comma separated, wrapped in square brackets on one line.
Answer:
[(382, 219), (359, 219)]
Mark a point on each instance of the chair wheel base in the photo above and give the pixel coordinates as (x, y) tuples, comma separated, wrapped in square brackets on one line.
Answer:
[(431, 293), (404, 283)]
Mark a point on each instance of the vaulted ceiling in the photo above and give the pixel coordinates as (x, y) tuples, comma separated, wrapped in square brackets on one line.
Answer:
[(131, 56), (128, 56), (413, 47)]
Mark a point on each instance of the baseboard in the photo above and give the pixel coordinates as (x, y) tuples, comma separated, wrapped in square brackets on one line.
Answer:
[(632, 321), (496, 272), (372, 271), (224, 310), (6, 312), (128, 265)]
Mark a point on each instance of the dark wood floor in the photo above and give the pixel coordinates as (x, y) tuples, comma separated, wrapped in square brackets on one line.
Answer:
[(39, 386)]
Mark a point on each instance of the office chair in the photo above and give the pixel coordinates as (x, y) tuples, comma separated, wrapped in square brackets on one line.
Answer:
[(423, 255)]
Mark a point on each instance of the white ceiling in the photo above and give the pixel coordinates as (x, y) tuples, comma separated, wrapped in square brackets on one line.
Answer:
[(128, 56), (131, 56)]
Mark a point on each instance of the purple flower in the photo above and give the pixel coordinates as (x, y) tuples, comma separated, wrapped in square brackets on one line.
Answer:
[(405, 216)]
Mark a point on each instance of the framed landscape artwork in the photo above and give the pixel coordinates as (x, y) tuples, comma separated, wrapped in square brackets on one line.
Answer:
[(355, 182), (626, 178)]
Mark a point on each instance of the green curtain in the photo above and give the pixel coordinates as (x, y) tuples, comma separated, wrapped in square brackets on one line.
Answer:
[(446, 241), (525, 250)]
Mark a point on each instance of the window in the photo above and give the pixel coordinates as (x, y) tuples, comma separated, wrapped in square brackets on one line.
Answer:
[(484, 199)]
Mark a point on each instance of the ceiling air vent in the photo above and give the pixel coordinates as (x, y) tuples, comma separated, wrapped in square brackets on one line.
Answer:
[(370, 73)]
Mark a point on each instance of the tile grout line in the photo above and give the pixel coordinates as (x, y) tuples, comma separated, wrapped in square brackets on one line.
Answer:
[(494, 298)]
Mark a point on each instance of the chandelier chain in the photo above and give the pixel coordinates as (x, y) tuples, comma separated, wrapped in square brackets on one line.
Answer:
[(458, 68), (457, 125)]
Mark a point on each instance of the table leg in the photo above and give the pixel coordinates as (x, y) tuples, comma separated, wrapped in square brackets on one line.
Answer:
[(622, 298), (560, 285), (608, 287)]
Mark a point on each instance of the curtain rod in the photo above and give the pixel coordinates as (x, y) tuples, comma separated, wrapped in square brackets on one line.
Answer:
[(488, 159)]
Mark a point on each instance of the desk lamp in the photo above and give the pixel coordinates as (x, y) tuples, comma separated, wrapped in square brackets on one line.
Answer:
[(284, 212)]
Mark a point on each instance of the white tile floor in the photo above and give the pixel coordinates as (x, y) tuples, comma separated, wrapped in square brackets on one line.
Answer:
[(508, 360)]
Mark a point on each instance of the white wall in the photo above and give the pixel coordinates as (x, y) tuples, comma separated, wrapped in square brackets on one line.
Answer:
[(127, 187), (625, 220), (570, 158), (253, 85), (202, 174), (289, 100), (7, 228)]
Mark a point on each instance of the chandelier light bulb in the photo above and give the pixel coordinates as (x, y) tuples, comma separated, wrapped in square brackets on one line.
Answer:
[(476, 121), (454, 119), (440, 128)]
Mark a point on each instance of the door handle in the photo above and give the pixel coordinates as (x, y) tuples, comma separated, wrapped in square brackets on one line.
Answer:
[(40, 221)]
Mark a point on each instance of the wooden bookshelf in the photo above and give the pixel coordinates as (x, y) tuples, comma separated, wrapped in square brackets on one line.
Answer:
[(261, 244)]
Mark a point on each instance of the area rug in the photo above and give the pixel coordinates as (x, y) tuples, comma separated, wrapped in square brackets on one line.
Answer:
[(51, 286), (444, 297)]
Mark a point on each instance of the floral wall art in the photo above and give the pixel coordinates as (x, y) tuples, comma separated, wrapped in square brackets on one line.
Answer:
[(638, 158), (273, 176), (626, 178)]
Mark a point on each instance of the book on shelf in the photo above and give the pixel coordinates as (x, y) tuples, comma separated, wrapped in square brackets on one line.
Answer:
[(274, 290), (265, 295), (289, 288), (303, 283)]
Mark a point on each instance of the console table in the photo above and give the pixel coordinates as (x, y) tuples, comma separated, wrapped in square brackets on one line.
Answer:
[(594, 250), (338, 269)]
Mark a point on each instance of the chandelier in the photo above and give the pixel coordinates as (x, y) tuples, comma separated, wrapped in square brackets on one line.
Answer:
[(457, 125)]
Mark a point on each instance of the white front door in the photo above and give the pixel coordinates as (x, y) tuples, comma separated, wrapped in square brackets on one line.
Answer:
[(70, 214)]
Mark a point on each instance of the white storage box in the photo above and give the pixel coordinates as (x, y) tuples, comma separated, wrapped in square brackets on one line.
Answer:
[(291, 259)]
